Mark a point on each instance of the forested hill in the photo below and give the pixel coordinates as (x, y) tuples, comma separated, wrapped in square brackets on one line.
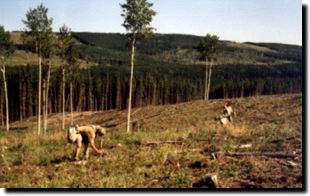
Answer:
[(182, 47), (168, 70)]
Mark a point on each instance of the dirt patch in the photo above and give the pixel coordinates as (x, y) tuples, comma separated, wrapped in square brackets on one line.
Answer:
[(198, 165), (205, 182)]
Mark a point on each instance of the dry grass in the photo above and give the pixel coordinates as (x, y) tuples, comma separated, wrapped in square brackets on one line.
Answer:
[(269, 124)]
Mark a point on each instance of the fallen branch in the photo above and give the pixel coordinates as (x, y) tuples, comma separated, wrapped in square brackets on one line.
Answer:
[(292, 164), (267, 154), (243, 146), (136, 111)]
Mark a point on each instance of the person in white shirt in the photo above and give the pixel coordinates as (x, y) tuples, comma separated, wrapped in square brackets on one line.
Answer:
[(228, 113)]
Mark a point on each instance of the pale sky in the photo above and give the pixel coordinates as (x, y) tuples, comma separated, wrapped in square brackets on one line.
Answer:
[(236, 20)]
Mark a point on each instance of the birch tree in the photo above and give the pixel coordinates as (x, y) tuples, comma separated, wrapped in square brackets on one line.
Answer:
[(49, 51), (65, 40), (138, 16), (38, 28), (208, 49), (68, 53), (73, 65), (6, 49)]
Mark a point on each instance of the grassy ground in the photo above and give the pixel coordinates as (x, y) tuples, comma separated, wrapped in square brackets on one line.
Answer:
[(270, 124)]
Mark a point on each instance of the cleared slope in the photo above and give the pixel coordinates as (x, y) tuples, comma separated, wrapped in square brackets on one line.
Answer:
[(275, 112), (267, 134)]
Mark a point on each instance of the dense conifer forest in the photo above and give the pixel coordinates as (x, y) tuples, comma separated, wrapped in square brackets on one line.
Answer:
[(168, 70)]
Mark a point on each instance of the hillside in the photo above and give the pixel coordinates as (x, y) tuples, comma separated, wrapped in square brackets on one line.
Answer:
[(171, 146), (168, 70), (23, 57), (175, 48), (181, 48)]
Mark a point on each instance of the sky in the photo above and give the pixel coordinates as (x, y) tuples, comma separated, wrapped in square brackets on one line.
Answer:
[(278, 21)]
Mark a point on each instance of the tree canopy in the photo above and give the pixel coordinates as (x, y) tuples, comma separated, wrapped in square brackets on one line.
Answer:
[(209, 46), (66, 45), (38, 27), (138, 16), (6, 45)]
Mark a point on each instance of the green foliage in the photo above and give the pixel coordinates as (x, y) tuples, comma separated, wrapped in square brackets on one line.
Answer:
[(49, 49), (65, 41), (168, 48), (6, 45), (155, 45), (38, 28), (184, 178), (209, 47), (68, 49), (283, 51), (138, 16)]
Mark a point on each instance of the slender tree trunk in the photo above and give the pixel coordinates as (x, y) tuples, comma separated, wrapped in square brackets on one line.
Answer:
[(46, 96), (71, 102), (209, 78), (30, 96), (20, 89), (63, 98), (130, 84), (154, 93), (43, 103), (141, 93), (206, 81), (102, 98), (118, 94), (24, 91), (90, 93), (6, 98), (107, 94), (242, 91), (111, 94), (59, 97), (2, 115), (39, 94), (81, 98), (1, 108), (6, 103)]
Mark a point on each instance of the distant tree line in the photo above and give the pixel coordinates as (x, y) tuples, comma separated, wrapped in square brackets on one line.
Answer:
[(106, 87)]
